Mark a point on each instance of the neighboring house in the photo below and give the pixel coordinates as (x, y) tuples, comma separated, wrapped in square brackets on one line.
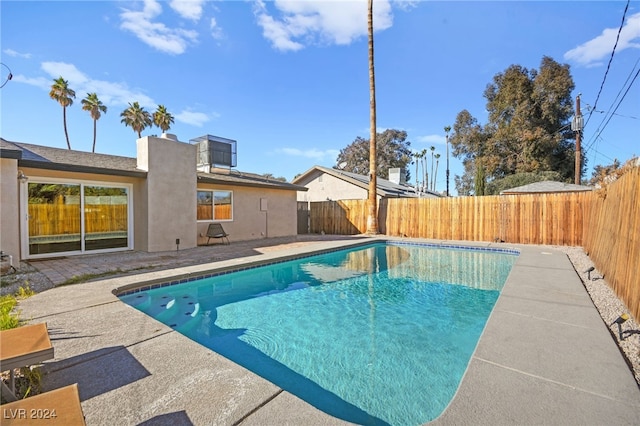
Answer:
[(546, 187), (62, 202), (324, 184)]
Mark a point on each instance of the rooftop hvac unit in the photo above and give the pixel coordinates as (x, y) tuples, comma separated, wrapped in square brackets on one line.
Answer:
[(214, 151)]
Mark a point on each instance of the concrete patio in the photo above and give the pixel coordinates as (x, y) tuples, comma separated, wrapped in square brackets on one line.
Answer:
[(545, 356)]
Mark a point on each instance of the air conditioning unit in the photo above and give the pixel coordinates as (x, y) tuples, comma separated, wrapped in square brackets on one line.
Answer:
[(214, 151)]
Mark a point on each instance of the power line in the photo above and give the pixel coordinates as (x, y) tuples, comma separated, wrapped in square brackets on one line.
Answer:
[(595, 104), (592, 140), (612, 113)]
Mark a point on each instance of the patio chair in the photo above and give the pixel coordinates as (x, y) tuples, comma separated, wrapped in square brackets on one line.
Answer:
[(56, 407), (22, 347), (215, 230)]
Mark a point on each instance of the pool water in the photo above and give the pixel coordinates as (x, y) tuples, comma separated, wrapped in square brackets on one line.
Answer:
[(380, 334)]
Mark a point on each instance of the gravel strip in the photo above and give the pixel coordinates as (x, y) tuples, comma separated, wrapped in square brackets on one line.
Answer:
[(609, 306)]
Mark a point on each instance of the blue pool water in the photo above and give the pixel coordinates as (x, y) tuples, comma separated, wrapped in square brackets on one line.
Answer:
[(380, 334)]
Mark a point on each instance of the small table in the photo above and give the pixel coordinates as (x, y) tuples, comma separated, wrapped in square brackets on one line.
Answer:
[(22, 347)]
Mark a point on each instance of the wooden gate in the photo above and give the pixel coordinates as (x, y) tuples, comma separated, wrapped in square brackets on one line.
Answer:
[(303, 217)]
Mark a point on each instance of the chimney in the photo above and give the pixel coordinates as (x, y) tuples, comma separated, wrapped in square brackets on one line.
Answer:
[(397, 176)]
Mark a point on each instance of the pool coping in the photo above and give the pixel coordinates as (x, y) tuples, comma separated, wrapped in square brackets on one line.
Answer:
[(137, 287), (545, 355)]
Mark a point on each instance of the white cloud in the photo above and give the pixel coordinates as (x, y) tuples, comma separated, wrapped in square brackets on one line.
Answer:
[(67, 71), (431, 139), (13, 53), (156, 34), (302, 23), (311, 153), (188, 9), (193, 118), (110, 93), (595, 50), (216, 31), (40, 82)]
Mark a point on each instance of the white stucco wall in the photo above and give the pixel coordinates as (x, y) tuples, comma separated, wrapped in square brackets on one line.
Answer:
[(9, 211), (324, 186), (168, 199)]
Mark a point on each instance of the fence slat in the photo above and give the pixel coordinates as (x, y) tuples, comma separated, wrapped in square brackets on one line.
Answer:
[(607, 225)]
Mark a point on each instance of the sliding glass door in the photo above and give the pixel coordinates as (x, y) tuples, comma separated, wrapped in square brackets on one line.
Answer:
[(54, 218), (106, 218), (77, 217)]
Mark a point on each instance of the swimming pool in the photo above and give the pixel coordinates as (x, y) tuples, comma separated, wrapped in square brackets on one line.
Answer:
[(379, 334)]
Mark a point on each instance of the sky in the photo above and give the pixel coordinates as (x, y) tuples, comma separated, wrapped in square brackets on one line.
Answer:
[(288, 80)]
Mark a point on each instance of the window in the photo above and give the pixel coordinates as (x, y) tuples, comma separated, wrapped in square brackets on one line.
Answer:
[(215, 205)]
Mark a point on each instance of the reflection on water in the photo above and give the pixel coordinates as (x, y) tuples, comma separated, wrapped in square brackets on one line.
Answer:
[(377, 335)]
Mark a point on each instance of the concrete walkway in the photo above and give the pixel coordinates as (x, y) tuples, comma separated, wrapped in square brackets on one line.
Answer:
[(545, 356)]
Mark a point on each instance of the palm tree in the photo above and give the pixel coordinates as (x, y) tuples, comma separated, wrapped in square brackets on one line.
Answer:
[(95, 107), (437, 157), (372, 216), (162, 118), (423, 156), (416, 155), (136, 117), (447, 129), (433, 148), (61, 93)]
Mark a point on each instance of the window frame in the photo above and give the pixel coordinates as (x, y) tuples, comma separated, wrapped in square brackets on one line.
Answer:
[(82, 183), (213, 191)]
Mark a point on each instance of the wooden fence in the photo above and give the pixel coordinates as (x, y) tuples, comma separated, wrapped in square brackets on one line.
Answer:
[(607, 224), (59, 219)]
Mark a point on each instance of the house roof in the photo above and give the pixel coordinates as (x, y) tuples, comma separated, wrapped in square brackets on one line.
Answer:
[(385, 188), (236, 177), (44, 157), (547, 186)]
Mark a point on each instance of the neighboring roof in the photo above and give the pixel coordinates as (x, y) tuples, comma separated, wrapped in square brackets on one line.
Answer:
[(385, 188), (44, 157), (546, 186), (236, 177)]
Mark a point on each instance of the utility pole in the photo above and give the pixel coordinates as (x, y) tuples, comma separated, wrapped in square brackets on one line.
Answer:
[(576, 126)]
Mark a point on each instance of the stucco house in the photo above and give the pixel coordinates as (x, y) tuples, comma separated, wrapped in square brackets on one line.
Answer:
[(323, 183), (57, 202), (546, 187)]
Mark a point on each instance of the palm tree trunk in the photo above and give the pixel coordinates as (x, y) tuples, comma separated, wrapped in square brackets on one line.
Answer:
[(372, 215), (435, 174), (64, 120), (433, 181), (94, 135)]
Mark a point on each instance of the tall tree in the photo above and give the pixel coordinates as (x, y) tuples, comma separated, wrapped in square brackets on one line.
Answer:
[(433, 150), (136, 117), (393, 150), (527, 128), (437, 157), (447, 129), (162, 118), (64, 95), (96, 108), (416, 155), (480, 181), (372, 210), (425, 168)]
